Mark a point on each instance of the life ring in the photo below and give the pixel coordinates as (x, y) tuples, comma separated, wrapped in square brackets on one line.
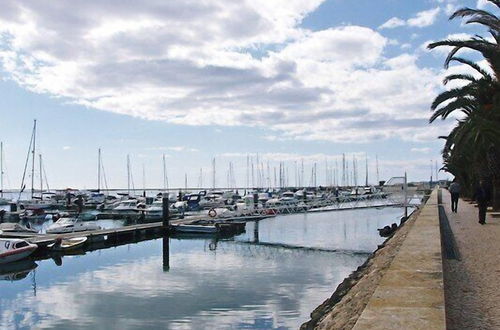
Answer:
[(212, 213)]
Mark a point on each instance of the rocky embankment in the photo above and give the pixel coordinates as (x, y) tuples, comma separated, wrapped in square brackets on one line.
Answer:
[(343, 308)]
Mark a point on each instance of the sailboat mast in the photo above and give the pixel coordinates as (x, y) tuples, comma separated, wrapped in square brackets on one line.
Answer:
[(366, 168), (165, 180), (1, 169), (41, 176), (128, 175), (33, 161), (99, 170)]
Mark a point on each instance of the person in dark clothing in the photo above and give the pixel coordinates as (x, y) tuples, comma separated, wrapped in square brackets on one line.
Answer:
[(2, 215), (455, 194), (79, 204), (482, 196)]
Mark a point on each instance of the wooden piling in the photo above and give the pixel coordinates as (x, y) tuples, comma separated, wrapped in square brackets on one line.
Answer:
[(166, 214)]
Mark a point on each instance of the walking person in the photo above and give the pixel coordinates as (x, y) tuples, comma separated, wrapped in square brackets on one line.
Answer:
[(454, 190), (482, 196)]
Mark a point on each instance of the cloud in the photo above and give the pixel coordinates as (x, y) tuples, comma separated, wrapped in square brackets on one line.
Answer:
[(484, 4), (182, 148), (66, 148), (424, 18), (421, 150), (173, 148), (421, 19), (222, 64), (393, 23), (294, 157)]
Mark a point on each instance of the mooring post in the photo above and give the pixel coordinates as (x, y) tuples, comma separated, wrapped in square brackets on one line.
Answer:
[(166, 214), (166, 253)]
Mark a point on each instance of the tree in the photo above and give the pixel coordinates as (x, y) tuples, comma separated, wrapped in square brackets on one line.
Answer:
[(471, 149)]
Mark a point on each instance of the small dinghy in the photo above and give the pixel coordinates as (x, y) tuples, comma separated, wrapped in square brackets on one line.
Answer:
[(65, 244)]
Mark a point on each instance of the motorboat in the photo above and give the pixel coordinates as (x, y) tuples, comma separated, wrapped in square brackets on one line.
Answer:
[(127, 206), (221, 212), (195, 228), (70, 225), (10, 227), (14, 249), (155, 210), (95, 199), (65, 244), (288, 197)]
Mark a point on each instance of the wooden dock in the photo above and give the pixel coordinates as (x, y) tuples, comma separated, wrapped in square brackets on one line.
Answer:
[(116, 234)]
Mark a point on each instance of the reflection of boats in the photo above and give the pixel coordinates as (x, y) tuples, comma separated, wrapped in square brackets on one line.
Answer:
[(15, 249), (65, 244), (69, 225), (17, 270)]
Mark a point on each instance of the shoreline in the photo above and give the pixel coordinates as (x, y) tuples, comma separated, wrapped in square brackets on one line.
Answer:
[(343, 308)]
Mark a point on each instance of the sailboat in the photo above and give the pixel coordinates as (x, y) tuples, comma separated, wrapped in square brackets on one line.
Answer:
[(36, 202), (3, 200)]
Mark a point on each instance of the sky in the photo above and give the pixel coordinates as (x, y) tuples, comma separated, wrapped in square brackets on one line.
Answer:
[(283, 80)]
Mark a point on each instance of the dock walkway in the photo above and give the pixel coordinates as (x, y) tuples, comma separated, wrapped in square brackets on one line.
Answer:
[(410, 294), (472, 282)]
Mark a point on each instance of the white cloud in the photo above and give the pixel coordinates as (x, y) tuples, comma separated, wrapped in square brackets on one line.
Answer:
[(484, 4), (66, 148), (393, 23), (220, 63), (424, 18), (421, 150), (421, 19), (182, 148)]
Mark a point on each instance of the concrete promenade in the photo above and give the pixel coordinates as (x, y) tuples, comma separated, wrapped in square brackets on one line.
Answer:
[(472, 283), (410, 295)]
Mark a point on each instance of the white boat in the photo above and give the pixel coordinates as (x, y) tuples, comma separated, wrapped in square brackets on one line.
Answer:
[(15, 249), (16, 227), (70, 225), (127, 206), (220, 212), (288, 197), (65, 244), (198, 228)]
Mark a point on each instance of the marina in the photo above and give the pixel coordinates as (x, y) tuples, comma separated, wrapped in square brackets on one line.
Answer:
[(264, 277)]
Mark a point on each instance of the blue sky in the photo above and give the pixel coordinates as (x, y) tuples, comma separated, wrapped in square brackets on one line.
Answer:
[(287, 80)]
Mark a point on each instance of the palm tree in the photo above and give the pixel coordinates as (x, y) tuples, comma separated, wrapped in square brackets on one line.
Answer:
[(472, 150)]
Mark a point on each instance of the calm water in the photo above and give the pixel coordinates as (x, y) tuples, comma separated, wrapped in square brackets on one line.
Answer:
[(272, 276)]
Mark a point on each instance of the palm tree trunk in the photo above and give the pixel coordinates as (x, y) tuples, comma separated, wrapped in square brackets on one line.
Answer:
[(495, 202)]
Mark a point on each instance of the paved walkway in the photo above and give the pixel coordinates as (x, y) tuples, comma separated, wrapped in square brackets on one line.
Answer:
[(472, 284)]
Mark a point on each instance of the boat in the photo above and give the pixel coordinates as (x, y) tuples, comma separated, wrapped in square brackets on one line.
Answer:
[(155, 210), (15, 249), (127, 206), (195, 228), (70, 225), (64, 244), (9, 227), (210, 227)]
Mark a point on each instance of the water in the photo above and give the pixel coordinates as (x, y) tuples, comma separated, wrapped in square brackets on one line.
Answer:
[(272, 276)]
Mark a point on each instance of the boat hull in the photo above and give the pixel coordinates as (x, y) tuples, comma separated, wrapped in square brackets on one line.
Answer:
[(200, 229), (18, 254)]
